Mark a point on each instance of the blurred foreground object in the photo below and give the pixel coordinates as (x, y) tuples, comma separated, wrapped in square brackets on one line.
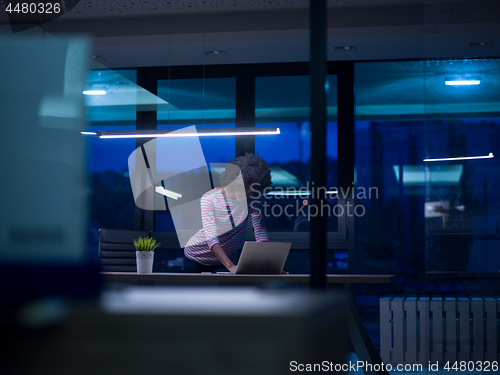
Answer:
[(160, 330), (43, 196)]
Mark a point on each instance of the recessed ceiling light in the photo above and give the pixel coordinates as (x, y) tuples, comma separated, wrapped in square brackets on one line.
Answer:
[(480, 45), (462, 81), (215, 53), (94, 92), (346, 49)]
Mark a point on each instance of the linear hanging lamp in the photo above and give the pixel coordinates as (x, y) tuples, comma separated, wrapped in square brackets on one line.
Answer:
[(489, 156), (214, 132)]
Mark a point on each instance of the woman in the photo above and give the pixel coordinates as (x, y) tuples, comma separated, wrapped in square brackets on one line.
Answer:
[(225, 211)]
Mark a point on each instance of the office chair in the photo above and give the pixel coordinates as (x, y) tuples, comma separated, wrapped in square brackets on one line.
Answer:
[(116, 249), (485, 253)]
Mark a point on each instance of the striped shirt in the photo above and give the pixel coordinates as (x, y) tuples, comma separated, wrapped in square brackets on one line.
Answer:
[(224, 222)]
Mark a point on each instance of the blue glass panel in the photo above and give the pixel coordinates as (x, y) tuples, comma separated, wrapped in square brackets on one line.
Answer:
[(285, 102), (423, 220), (205, 103), (119, 103), (112, 203), (195, 101)]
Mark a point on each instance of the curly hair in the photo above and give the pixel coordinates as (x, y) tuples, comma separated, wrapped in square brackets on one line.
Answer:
[(254, 171)]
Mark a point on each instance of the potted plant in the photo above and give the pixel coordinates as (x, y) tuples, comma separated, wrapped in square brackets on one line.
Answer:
[(145, 252)]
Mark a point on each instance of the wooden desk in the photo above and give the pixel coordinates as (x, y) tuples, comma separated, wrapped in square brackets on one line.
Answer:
[(253, 279), (361, 341)]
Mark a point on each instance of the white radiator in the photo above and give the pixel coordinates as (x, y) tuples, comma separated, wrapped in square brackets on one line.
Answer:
[(419, 330)]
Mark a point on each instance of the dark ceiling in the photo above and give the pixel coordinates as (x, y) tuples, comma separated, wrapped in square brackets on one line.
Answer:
[(158, 33)]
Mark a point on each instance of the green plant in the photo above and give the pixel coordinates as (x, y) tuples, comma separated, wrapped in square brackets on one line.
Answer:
[(145, 244)]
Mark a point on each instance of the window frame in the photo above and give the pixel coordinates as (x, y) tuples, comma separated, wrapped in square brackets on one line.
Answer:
[(245, 75)]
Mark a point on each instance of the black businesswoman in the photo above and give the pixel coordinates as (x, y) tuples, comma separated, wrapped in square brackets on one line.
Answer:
[(210, 248)]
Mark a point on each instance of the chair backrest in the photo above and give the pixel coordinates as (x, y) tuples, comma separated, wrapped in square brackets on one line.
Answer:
[(485, 253), (116, 249)]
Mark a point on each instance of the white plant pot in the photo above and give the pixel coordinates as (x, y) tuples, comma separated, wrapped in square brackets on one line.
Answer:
[(144, 261)]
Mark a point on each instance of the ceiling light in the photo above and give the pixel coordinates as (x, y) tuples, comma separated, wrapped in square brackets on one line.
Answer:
[(179, 133), (215, 53), (168, 193), (489, 156), (346, 49), (462, 81), (94, 92), (480, 45), (88, 133)]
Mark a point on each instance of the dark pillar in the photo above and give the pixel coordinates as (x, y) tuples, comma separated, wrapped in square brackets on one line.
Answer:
[(318, 70), (145, 120), (245, 113)]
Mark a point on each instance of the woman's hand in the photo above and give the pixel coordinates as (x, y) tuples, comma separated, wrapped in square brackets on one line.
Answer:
[(221, 255)]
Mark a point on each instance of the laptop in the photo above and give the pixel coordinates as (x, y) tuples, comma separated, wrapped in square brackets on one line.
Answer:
[(263, 258)]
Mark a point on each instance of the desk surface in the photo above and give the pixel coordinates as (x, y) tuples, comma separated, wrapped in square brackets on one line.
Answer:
[(217, 277), (357, 333)]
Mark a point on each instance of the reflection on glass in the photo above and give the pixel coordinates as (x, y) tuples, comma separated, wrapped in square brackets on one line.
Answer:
[(428, 215), (215, 150), (121, 96), (284, 102), (396, 89), (206, 103), (419, 175), (112, 202), (196, 101)]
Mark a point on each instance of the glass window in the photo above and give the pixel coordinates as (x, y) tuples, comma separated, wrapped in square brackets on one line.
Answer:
[(284, 102), (197, 101), (111, 200), (408, 112), (118, 104), (459, 211), (420, 126), (206, 103), (440, 112)]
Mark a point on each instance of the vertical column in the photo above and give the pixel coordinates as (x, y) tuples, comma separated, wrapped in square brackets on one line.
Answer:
[(385, 329), (490, 307), (450, 310), (318, 68), (398, 350), (436, 307), (410, 307), (145, 120), (346, 134), (464, 329), (476, 308), (423, 311), (245, 112)]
